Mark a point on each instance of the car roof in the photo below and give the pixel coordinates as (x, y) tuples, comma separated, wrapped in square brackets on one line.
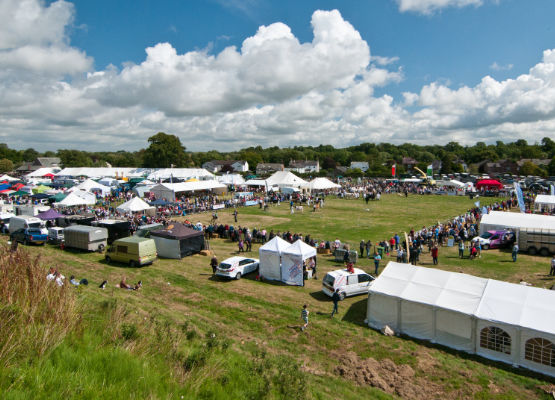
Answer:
[(344, 272), (235, 259)]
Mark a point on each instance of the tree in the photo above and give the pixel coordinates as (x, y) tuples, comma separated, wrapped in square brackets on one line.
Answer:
[(6, 165), (74, 158), (30, 155), (164, 151)]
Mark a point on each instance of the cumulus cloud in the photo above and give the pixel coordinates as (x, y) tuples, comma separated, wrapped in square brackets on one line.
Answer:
[(273, 89), (430, 6), (498, 67)]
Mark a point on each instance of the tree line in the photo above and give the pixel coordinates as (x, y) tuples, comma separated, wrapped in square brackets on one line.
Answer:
[(166, 150)]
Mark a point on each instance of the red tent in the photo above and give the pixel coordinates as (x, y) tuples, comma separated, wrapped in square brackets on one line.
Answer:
[(489, 183), (49, 175), (17, 186)]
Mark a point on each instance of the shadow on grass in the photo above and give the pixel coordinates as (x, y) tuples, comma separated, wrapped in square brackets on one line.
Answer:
[(320, 296), (356, 314)]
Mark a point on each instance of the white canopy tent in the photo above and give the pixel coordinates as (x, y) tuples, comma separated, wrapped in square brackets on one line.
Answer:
[(7, 178), (134, 205), (270, 258), (321, 184), (169, 190), (498, 320), (181, 173), (499, 220), (91, 186), (77, 198), (542, 202), (285, 179), (231, 179), (39, 173), (292, 259), (96, 172)]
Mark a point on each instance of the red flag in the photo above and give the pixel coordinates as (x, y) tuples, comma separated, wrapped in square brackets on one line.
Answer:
[(393, 170)]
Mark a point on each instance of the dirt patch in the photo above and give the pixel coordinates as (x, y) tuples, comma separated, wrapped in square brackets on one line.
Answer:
[(385, 375)]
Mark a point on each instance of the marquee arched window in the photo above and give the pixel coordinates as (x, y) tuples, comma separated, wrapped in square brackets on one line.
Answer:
[(496, 339), (540, 350)]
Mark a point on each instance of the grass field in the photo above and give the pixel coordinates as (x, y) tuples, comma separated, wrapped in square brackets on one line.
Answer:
[(187, 334)]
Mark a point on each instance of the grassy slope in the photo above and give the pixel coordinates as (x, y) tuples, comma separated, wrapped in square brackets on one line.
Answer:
[(257, 316)]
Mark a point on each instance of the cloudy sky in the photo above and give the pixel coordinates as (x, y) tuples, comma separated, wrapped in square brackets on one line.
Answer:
[(228, 74)]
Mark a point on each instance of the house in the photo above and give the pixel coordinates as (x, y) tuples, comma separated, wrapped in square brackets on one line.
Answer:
[(436, 165), (40, 162), (217, 165), (463, 164), (500, 167), (362, 165), (265, 168), (409, 162), (304, 167), (536, 161)]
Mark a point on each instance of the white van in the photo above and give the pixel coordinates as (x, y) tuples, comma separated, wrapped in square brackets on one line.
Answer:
[(349, 284), (26, 222)]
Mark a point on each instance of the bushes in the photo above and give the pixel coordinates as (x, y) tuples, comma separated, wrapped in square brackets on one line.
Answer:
[(36, 315)]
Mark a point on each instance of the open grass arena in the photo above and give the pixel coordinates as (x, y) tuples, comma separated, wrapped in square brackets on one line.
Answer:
[(188, 335)]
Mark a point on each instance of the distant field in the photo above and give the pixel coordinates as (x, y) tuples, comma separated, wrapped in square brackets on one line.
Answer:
[(255, 316)]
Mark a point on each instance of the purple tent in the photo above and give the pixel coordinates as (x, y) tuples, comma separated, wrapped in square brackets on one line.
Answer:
[(49, 214)]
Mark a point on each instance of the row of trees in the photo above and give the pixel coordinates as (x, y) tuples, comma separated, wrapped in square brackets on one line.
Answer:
[(166, 150)]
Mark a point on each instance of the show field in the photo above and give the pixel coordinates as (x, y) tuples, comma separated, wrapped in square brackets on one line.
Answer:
[(338, 358)]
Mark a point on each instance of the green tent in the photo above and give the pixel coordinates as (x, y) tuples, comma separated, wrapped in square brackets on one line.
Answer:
[(58, 197), (20, 193), (41, 189)]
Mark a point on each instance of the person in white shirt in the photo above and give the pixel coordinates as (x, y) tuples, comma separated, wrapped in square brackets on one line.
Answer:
[(552, 271)]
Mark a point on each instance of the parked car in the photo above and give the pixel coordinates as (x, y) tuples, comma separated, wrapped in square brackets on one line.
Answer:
[(349, 284), (495, 239), (236, 267), (55, 235), (29, 235)]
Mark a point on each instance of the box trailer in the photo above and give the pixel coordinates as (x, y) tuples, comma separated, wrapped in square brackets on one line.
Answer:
[(117, 228), (90, 238), (536, 241)]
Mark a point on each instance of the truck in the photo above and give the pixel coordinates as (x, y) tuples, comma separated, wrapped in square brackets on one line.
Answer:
[(132, 250), (83, 237), (537, 241), (25, 222)]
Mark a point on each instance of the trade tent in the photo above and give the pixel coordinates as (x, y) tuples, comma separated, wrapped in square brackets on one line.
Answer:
[(77, 198), (321, 184), (270, 258), (49, 215), (177, 241), (20, 193), (499, 220), (41, 172), (544, 202), (231, 179), (497, 320), (94, 187), (58, 197), (171, 190), (181, 173), (134, 205), (292, 259), (96, 172), (40, 196), (488, 184), (7, 178), (41, 189), (285, 179), (4, 186)]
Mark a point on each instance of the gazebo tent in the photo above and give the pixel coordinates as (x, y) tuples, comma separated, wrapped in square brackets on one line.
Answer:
[(177, 241), (77, 198), (7, 178), (270, 258), (497, 320), (292, 259), (488, 184), (499, 220), (170, 190), (94, 187), (285, 179), (321, 184), (134, 205), (544, 202), (58, 197), (49, 215)]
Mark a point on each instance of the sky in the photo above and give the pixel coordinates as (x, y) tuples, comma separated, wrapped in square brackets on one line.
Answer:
[(229, 74)]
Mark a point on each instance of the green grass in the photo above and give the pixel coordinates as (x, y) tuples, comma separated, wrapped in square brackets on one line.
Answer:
[(180, 304)]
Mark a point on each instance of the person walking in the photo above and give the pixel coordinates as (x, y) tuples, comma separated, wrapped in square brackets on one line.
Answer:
[(235, 213), (368, 246), (552, 271), (304, 316), (214, 264), (362, 246), (435, 253), (377, 259), (515, 252), (335, 298), (461, 248)]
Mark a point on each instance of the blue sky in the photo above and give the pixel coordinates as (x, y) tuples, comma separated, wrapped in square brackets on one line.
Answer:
[(391, 71)]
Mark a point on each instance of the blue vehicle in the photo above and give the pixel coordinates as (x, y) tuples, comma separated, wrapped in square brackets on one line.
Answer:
[(28, 236)]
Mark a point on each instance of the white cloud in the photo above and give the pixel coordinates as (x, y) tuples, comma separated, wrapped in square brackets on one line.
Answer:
[(272, 90), (430, 6), (498, 67)]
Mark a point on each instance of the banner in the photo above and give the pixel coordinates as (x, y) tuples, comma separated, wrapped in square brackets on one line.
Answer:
[(218, 206), (251, 203), (520, 198), (552, 191), (393, 170), (430, 170)]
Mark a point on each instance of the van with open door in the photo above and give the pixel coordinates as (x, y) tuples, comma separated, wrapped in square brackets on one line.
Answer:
[(132, 250), (349, 284)]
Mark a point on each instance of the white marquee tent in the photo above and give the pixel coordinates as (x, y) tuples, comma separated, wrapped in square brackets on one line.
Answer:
[(134, 205), (7, 178), (39, 173), (231, 179), (96, 172), (285, 179), (499, 220), (498, 320), (321, 184), (181, 173), (77, 198), (169, 190), (94, 187), (292, 262), (270, 258), (542, 202)]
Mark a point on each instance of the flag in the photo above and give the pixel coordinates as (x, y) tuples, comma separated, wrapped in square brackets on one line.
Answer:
[(484, 210), (430, 170), (520, 198), (393, 170), (477, 204)]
